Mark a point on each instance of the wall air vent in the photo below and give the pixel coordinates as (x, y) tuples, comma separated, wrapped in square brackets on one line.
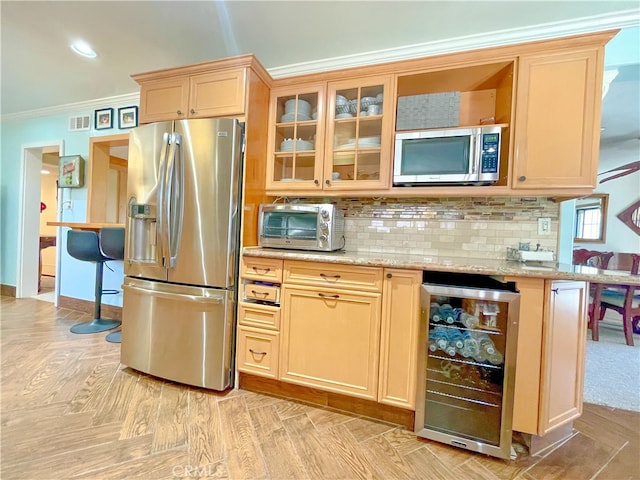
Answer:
[(82, 122)]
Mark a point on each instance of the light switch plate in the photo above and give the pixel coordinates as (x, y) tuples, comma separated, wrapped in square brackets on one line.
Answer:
[(544, 226)]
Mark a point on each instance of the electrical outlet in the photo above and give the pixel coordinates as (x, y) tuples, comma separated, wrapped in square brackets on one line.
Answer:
[(544, 226)]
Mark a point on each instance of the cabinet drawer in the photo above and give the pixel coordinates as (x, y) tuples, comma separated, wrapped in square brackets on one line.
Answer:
[(262, 269), (368, 279), (265, 293), (258, 351), (259, 316)]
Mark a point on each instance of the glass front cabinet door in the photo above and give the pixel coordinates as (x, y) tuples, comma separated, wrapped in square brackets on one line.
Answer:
[(296, 138), (359, 134)]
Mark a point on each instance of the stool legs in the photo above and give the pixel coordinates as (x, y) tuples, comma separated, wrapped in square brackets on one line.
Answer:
[(97, 324), (114, 337)]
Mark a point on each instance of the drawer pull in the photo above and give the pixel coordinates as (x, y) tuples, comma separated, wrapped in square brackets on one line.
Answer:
[(265, 294), (327, 277), (261, 270), (324, 295), (257, 353)]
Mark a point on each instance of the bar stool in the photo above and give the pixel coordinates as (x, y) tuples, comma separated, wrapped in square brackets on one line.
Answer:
[(83, 245), (112, 245)]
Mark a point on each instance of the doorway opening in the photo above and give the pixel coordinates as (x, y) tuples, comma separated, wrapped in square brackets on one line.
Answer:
[(36, 158), (48, 213)]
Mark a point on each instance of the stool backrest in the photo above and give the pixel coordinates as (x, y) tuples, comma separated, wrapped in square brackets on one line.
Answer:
[(112, 242), (84, 245)]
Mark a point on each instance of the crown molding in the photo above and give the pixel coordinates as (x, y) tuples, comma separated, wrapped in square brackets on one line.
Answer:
[(565, 28), (74, 108)]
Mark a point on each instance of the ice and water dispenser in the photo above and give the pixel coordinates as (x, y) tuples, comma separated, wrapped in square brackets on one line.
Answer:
[(466, 376), (141, 242)]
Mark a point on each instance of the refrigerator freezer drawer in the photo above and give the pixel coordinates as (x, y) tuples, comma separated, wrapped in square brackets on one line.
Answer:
[(179, 333)]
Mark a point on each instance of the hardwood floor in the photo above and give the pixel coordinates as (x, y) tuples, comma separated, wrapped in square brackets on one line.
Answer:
[(70, 410)]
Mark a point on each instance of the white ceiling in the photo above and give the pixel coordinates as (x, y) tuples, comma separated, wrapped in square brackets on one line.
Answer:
[(40, 71)]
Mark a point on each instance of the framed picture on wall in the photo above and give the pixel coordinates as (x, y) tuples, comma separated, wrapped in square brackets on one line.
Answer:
[(71, 171), (128, 117), (103, 118)]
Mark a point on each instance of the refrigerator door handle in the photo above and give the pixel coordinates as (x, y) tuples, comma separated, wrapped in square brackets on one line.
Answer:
[(174, 199), (217, 299), (162, 194)]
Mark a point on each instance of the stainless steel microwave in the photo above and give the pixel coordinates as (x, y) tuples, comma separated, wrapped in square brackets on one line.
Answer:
[(301, 226), (462, 156)]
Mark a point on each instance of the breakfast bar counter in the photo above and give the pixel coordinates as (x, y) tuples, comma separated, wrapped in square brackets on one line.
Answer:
[(481, 266), (95, 226)]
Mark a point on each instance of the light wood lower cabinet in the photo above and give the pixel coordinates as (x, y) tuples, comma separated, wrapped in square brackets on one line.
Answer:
[(330, 339), (551, 354), (258, 351), (563, 353), (399, 338)]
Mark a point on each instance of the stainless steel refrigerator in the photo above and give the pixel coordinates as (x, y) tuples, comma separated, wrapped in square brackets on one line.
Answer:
[(181, 251)]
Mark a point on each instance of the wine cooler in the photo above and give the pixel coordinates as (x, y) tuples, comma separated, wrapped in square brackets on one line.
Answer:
[(468, 339)]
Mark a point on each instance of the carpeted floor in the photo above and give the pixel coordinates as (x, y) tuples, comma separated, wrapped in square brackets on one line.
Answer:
[(612, 376)]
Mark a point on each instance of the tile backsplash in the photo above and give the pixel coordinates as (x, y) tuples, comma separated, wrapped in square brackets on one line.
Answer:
[(461, 227)]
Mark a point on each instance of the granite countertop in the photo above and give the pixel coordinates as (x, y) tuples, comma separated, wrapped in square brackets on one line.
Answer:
[(484, 266)]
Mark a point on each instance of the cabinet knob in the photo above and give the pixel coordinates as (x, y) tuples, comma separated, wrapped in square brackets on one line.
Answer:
[(192, 111), (389, 275), (522, 178), (179, 112), (316, 181), (327, 182)]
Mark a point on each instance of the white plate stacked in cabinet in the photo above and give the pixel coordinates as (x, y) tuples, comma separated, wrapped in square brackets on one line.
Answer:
[(259, 316)]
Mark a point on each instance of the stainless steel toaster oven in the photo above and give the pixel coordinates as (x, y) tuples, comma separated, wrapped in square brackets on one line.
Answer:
[(317, 227)]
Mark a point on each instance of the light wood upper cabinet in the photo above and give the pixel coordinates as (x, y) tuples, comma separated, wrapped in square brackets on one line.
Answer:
[(358, 145), (165, 99), (399, 336), (193, 96), (557, 127), (217, 94), (551, 354), (341, 143), (296, 138)]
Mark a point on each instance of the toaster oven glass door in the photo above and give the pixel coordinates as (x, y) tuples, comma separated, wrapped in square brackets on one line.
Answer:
[(291, 225)]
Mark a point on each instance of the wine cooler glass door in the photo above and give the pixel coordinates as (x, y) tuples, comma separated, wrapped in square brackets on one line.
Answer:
[(466, 395)]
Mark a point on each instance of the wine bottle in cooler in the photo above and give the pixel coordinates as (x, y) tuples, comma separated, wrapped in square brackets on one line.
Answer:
[(470, 345), (468, 320), (434, 312), (495, 358), (486, 344), (447, 314), (455, 338), (439, 336)]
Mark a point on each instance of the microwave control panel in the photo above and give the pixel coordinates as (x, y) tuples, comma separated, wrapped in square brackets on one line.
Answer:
[(490, 153)]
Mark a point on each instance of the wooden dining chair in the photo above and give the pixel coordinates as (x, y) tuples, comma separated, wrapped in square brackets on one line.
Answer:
[(596, 259), (592, 258), (624, 299)]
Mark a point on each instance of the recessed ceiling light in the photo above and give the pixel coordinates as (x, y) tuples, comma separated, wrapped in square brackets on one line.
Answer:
[(45, 172), (83, 48)]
